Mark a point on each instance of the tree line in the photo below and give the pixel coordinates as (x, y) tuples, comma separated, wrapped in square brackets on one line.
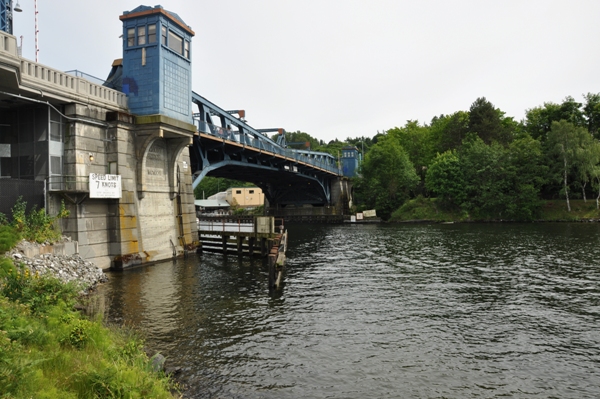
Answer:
[(481, 162)]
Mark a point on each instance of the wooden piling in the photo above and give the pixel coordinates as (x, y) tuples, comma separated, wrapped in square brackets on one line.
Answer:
[(225, 238), (272, 270), (239, 240)]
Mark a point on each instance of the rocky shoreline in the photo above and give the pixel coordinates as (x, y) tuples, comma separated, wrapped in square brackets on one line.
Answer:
[(64, 267)]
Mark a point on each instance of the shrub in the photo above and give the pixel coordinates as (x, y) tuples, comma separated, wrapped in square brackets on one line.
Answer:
[(36, 292), (40, 350), (8, 238), (36, 225)]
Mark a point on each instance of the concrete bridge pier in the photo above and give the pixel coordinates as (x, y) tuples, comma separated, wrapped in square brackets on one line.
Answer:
[(154, 219)]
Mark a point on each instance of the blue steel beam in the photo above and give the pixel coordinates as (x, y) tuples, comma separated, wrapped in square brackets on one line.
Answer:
[(236, 150)]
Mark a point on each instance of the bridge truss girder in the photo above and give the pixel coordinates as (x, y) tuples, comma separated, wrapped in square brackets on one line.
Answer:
[(283, 181)]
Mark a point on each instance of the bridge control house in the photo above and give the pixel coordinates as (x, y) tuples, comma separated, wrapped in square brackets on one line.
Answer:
[(125, 155), (116, 154)]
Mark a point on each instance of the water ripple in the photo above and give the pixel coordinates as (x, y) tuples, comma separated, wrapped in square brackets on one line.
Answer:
[(427, 311)]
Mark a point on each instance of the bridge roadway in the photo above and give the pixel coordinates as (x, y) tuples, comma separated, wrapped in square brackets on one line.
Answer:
[(226, 146)]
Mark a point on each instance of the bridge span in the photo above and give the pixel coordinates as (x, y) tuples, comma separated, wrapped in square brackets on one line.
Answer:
[(237, 151)]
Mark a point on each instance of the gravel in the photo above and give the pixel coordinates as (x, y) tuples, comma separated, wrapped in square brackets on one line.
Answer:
[(66, 268)]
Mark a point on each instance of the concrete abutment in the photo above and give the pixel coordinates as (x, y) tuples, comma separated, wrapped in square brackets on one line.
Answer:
[(154, 219)]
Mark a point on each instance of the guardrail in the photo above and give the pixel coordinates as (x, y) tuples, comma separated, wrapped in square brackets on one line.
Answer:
[(49, 80), (319, 159), (236, 224), (69, 183)]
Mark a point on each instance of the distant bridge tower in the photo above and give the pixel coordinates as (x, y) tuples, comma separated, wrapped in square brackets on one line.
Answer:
[(350, 158), (157, 63)]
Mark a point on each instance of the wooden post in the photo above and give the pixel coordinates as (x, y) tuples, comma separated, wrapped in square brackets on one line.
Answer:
[(272, 270), (251, 241), (240, 239), (263, 247), (225, 237)]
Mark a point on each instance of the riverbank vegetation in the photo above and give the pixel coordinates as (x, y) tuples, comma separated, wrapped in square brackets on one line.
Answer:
[(429, 209), (483, 165), (476, 164), (48, 349)]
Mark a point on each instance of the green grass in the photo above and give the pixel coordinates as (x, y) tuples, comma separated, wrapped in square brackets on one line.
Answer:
[(429, 209), (49, 350), (425, 209), (556, 210)]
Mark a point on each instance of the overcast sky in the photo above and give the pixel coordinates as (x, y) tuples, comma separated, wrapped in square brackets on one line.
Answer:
[(348, 68)]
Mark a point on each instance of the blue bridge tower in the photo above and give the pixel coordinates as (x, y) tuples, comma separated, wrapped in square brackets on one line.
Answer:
[(157, 75), (350, 161)]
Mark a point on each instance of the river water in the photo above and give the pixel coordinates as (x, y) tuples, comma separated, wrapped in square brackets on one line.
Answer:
[(381, 311)]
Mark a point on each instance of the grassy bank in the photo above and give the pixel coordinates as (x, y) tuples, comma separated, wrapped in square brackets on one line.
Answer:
[(429, 209), (50, 350)]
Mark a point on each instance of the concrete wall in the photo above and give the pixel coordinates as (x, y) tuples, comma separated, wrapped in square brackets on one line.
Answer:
[(154, 219)]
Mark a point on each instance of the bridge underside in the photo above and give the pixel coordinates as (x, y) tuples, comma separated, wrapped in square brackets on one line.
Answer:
[(283, 180)]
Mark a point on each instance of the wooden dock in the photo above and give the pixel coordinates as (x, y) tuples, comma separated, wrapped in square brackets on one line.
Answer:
[(262, 236)]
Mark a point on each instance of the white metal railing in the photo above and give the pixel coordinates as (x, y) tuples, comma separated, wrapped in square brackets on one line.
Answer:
[(221, 226)]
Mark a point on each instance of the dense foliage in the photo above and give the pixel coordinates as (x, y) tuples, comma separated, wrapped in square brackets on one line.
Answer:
[(479, 163)]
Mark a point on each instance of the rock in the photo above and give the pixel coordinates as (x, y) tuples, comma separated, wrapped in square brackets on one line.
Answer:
[(173, 370), (64, 267), (158, 362)]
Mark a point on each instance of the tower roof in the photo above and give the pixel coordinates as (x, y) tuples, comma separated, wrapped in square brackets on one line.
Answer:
[(147, 10)]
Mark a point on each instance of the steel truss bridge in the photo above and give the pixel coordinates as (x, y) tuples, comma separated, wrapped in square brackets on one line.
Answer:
[(226, 146)]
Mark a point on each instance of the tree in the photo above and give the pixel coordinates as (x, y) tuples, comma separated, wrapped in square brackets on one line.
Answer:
[(587, 159), (487, 122), (591, 113), (490, 181), (445, 179), (564, 140), (538, 120), (416, 141), (570, 111), (527, 172), (388, 177), (448, 132), (483, 169)]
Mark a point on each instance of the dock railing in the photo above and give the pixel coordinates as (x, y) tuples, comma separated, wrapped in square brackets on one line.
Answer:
[(247, 225)]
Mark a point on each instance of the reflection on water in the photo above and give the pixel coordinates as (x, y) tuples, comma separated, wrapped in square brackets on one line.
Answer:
[(427, 311)]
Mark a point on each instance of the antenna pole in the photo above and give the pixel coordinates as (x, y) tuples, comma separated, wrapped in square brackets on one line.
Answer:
[(37, 49)]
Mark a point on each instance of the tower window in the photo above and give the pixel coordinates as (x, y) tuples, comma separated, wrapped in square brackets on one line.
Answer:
[(163, 33), (141, 33), (176, 43), (130, 37), (186, 49), (151, 33)]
